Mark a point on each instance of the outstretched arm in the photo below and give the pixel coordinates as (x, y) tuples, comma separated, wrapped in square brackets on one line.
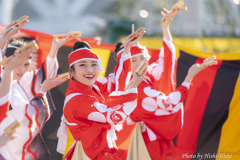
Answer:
[(163, 71), (166, 105), (33, 79), (166, 21), (20, 105)]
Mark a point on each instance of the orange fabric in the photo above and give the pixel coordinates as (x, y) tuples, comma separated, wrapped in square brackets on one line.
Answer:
[(108, 154)]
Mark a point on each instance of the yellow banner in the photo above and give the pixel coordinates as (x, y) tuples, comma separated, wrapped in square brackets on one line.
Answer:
[(210, 45)]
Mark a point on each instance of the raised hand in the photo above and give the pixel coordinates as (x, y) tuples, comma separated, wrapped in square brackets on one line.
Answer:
[(58, 43), (7, 35), (136, 80), (196, 68), (15, 30), (168, 16), (51, 83), (131, 43), (171, 14), (18, 59)]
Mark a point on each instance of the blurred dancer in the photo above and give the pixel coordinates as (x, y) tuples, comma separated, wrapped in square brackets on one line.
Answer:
[(28, 103)]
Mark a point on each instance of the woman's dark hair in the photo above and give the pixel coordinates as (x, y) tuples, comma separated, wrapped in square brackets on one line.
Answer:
[(15, 42), (118, 47), (81, 44)]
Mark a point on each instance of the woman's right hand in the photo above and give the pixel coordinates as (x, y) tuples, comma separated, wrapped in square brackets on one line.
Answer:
[(136, 80), (18, 59), (51, 83), (128, 46)]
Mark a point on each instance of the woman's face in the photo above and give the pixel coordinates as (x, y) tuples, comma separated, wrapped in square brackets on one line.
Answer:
[(137, 60), (18, 72), (86, 72)]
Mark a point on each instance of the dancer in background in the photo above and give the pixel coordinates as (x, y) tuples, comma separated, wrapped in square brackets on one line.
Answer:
[(6, 37), (29, 104), (159, 113), (6, 81), (5, 87)]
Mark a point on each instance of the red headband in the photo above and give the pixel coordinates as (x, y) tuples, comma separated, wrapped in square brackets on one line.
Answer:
[(135, 50), (80, 54)]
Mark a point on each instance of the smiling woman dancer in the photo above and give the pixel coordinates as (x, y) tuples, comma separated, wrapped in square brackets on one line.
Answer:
[(89, 116)]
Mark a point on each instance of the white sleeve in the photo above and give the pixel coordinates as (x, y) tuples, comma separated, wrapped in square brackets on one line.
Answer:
[(52, 66), (18, 104)]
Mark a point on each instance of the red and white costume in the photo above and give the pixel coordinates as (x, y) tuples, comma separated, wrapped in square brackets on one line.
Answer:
[(30, 107), (4, 101), (1, 60), (161, 114), (92, 118), (116, 81), (4, 105), (106, 85)]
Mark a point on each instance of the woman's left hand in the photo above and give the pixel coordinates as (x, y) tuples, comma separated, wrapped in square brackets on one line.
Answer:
[(58, 43), (15, 29), (168, 16)]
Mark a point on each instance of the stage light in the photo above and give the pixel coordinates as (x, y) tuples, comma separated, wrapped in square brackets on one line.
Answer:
[(236, 1), (144, 13)]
